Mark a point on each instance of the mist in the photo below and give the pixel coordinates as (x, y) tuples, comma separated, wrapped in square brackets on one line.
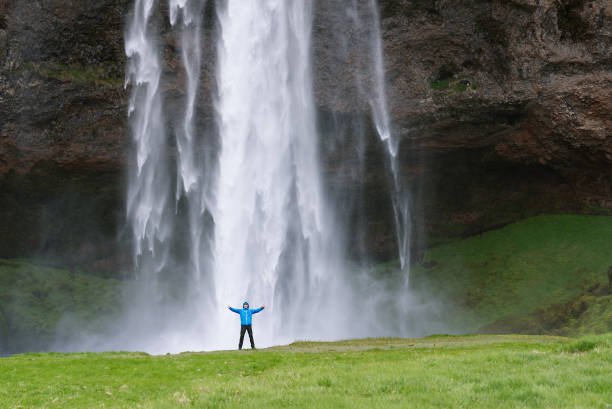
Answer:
[(242, 209)]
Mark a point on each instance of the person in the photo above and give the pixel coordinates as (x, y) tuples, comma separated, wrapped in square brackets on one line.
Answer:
[(246, 318)]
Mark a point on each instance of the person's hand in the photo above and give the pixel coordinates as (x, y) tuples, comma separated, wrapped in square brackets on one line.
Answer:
[(229, 306), (263, 306)]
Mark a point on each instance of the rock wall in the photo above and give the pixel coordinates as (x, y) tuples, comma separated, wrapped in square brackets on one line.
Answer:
[(62, 129), (503, 108)]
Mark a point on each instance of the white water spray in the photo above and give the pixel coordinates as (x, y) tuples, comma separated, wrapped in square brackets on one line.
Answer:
[(148, 189), (192, 179), (273, 238)]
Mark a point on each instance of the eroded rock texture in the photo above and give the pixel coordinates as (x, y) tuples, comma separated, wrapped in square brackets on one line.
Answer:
[(503, 108), (506, 104)]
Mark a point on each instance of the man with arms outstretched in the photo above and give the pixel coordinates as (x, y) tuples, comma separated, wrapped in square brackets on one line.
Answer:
[(246, 319)]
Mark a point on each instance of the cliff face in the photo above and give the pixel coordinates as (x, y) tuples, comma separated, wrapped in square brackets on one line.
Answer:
[(508, 102), (503, 108), (62, 128)]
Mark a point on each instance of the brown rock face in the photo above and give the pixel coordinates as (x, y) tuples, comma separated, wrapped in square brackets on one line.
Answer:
[(60, 81), (505, 104), (503, 108), (62, 128)]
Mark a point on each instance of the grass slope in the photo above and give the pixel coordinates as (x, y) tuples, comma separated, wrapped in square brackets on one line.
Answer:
[(34, 299), (481, 371), (546, 267)]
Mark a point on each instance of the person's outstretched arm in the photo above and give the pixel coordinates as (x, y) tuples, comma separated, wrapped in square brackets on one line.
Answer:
[(236, 310), (255, 311)]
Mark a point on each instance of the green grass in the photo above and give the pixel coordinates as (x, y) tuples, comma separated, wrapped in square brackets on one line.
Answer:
[(536, 266), (34, 299), (439, 85), (98, 75), (437, 372)]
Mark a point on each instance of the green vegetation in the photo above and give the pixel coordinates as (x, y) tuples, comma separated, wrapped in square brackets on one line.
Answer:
[(33, 300), (98, 75), (546, 274), (439, 85), (436, 372), (461, 86)]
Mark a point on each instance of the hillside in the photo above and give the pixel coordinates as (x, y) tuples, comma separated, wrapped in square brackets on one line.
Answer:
[(547, 274)]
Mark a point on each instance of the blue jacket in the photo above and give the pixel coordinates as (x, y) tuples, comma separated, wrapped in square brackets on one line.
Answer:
[(246, 314)]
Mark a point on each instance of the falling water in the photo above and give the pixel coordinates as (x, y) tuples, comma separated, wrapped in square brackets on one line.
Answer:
[(192, 180), (273, 236), (148, 190), (363, 18), (380, 112)]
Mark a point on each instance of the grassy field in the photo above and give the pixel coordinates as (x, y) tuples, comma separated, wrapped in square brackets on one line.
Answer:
[(546, 274), (482, 371)]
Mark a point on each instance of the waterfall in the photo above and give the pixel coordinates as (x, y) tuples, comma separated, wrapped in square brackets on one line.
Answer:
[(380, 112), (259, 224), (149, 187), (363, 20), (274, 234), (192, 178)]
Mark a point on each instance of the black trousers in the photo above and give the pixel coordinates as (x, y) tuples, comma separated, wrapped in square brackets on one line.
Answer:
[(244, 328)]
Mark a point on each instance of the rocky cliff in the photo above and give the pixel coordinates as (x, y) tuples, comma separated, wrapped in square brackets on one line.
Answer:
[(506, 103), (503, 108), (62, 128)]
